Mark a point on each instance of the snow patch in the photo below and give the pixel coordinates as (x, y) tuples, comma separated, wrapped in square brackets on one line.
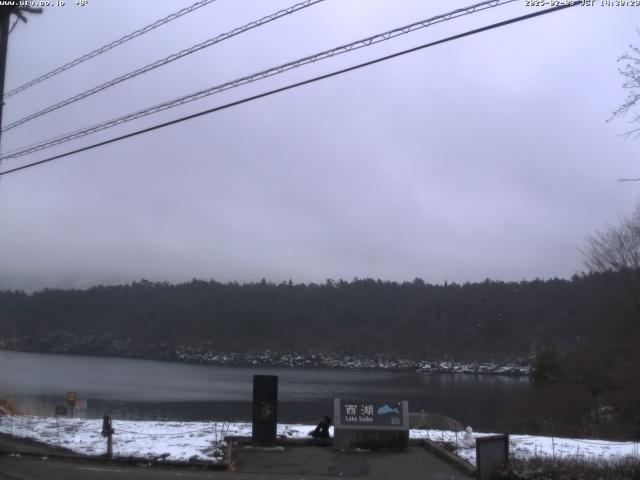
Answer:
[(184, 441)]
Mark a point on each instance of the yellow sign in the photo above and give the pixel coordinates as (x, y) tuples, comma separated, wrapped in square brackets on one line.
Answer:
[(71, 398)]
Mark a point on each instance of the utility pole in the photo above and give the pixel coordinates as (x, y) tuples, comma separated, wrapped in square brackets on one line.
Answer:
[(5, 20), (4, 40)]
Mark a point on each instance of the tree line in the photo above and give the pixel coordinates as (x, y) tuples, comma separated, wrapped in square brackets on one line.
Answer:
[(467, 321)]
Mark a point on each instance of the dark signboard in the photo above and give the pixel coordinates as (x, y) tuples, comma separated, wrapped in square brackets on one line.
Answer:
[(265, 409), (492, 453), (61, 411), (371, 414)]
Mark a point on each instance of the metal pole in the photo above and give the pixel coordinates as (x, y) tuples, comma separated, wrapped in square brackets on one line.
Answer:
[(107, 431), (58, 430)]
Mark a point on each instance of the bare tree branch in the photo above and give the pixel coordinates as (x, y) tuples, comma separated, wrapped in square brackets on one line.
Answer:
[(616, 249), (614, 255), (631, 74)]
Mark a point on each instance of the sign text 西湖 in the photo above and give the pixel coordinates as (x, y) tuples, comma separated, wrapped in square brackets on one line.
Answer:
[(367, 413)]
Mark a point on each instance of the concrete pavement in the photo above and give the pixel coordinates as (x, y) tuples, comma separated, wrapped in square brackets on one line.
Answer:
[(309, 461), (34, 468), (291, 462)]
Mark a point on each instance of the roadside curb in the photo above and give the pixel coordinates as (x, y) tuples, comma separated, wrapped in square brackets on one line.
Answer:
[(133, 461), (283, 441), (448, 457)]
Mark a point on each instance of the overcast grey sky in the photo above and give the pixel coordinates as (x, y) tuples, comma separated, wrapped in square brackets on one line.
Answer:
[(487, 157)]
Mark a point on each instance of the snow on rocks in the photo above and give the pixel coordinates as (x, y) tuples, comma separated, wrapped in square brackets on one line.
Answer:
[(108, 344), (517, 367), (321, 359)]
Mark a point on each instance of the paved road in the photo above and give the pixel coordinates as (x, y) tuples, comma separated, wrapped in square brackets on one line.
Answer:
[(13, 444), (34, 468), (296, 462), (313, 462)]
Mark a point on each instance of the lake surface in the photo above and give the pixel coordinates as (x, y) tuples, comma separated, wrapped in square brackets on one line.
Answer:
[(147, 389)]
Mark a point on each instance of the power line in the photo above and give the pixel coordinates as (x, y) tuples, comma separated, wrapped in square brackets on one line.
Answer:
[(255, 77), (109, 46), (166, 60), (293, 85), (326, 54)]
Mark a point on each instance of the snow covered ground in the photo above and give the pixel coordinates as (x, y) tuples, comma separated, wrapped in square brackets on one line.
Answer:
[(198, 440), (146, 439), (523, 446)]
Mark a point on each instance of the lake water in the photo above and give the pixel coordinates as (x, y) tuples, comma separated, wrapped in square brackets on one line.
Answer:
[(147, 389)]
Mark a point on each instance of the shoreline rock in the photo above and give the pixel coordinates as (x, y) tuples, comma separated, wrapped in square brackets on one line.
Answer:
[(107, 344)]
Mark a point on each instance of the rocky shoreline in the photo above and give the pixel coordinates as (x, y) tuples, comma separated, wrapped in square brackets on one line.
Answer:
[(108, 344)]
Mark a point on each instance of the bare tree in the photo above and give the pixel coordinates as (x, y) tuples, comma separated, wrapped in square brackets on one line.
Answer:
[(614, 255), (631, 74), (617, 249)]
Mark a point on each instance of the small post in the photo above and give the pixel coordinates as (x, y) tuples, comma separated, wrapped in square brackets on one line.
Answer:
[(58, 430), (108, 431)]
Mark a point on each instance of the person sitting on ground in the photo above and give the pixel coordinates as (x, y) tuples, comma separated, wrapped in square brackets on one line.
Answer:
[(322, 430)]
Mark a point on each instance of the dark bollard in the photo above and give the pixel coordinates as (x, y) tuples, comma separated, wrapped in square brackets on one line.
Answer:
[(108, 431), (265, 410)]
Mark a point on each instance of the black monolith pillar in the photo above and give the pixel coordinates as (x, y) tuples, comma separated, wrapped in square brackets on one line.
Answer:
[(265, 410)]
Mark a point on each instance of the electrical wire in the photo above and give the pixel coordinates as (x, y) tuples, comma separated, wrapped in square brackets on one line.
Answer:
[(165, 61), (109, 46), (294, 85), (255, 77)]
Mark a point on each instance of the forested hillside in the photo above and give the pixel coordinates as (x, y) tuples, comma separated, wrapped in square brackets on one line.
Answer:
[(465, 322)]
